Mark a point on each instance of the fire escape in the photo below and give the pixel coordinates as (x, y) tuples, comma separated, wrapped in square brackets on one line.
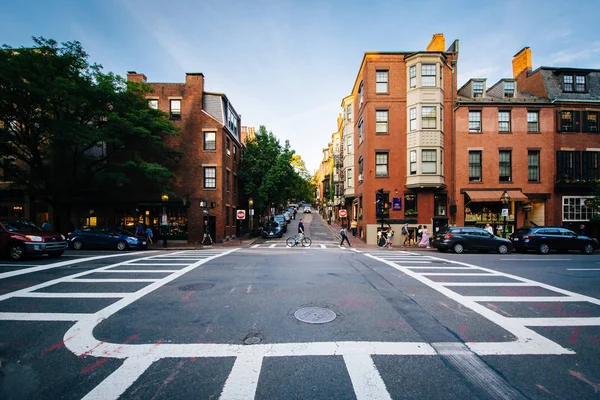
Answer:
[(339, 176)]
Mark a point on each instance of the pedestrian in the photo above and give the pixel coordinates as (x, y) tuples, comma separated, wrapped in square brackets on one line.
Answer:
[(353, 226), (424, 237), (149, 235), (582, 230), (344, 237), (489, 228), (139, 230), (388, 239), (405, 235), (46, 225), (419, 233), (294, 214)]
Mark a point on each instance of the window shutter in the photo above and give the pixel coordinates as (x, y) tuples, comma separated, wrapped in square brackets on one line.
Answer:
[(577, 164), (586, 162), (559, 165), (576, 121), (584, 122), (558, 120)]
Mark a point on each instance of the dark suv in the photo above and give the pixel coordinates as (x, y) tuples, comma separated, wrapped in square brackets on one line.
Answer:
[(19, 237), (460, 239), (546, 238)]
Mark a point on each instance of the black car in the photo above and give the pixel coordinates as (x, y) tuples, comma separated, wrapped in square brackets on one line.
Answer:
[(272, 230), (460, 239), (543, 239), (96, 237)]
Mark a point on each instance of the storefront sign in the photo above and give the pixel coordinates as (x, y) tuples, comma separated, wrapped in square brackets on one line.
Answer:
[(163, 220), (396, 204), (505, 212)]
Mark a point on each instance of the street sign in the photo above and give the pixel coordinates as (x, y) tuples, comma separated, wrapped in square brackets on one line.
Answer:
[(343, 213), (241, 214), (505, 212)]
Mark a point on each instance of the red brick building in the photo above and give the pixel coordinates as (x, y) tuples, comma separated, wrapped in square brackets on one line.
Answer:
[(402, 136), (206, 193)]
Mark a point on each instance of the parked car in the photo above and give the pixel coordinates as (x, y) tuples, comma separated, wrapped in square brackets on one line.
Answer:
[(281, 220), (98, 237), (307, 210), (272, 230), (20, 238), (460, 239), (543, 239)]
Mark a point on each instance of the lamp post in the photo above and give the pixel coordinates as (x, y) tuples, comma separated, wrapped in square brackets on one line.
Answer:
[(505, 199), (251, 212), (164, 219)]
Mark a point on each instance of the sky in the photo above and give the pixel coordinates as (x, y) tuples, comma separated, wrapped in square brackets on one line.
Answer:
[(287, 64)]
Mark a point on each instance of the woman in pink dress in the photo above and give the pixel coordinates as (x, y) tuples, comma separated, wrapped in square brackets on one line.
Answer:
[(425, 238)]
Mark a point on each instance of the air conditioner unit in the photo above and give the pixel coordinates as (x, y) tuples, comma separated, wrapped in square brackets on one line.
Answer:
[(360, 177), (228, 152)]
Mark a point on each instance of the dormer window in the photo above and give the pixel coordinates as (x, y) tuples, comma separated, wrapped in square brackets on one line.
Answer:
[(580, 83), (509, 89), (477, 89), (574, 83)]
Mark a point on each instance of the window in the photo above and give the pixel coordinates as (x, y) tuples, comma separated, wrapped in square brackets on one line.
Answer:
[(475, 166), (591, 164), (227, 218), (413, 76), (232, 121), (235, 184), (360, 170), (477, 88), (227, 178), (590, 121), (567, 121), (533, 165), (381, 121), (410, 204), (428, 117), (503, 121), (533, 124), (579, 80), (349, 112), (234, 153), (175, 109), (349, 144), (474, 121), (574, 209), (349, 178), (210, 141), (153, 103), (505, 165), (227, 142), (360, 94), (509, 89), (413, 119), (381, 164), (381, 86), (360, 131), (428, 75), (413, 162), (568, 165), (568, 83), (428, 161), (210, 177), (580, 83), (439, 204)]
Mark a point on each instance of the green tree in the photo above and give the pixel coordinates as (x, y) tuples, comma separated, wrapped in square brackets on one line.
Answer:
[(72, 130)]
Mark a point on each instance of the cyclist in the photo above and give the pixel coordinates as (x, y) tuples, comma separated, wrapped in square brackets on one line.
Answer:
[(300, 230)]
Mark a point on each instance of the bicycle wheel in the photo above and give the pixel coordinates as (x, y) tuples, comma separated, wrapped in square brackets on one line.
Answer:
[(291, 242), (306, 242)]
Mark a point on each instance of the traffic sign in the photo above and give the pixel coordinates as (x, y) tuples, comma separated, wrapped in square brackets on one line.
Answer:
[(241, 214), (343, 213)]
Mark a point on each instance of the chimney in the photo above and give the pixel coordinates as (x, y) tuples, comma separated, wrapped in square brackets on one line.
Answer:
[(133, 76), (438, 43), (195, 79), (521, 62)]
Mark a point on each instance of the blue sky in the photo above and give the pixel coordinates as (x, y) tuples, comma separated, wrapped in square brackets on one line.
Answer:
[(287, 64)]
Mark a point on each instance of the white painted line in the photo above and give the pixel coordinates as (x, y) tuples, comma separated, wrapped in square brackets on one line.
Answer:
[(366, 380), (412, 262), (524, 299), (8, 316), (487, 283), (117, 383), (86, 280), (255, 246), (135, 271), (451, 268), (578, 321), (272, 246), (323, 246), (155, 264), (457, 274), (62, 264), (17, 265), (243, 379), (535, 259), (48, 295), (583, 269)]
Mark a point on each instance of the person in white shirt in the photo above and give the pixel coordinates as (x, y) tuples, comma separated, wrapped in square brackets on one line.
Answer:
[(489, 228)]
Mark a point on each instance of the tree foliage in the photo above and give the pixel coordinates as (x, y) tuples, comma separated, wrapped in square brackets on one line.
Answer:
[(72, 129), (268, 171)]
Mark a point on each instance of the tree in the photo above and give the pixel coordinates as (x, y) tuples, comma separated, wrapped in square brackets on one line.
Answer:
[(73, 131), (267, 171)]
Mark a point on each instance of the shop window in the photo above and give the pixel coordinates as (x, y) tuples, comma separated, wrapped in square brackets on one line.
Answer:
[(410, 205)]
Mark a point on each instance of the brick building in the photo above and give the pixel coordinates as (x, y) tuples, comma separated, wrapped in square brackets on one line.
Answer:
[(403, 103), (206, 193)]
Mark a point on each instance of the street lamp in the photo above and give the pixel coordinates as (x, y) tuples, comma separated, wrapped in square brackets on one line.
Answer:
[(164, 218), (251, 212), (505, 199)]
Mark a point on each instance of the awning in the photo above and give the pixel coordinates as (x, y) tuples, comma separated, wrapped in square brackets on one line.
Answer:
[(495, 195)]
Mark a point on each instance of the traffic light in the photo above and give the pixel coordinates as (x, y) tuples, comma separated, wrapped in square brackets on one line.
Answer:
[(379, 203)]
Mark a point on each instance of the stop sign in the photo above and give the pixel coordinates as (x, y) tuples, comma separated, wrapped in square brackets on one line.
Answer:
[(343, 213), (241, 214)]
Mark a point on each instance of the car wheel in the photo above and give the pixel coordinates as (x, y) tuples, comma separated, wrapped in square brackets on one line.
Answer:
[(121, 245), (78, 245), (16, 252), (588, 248), (544, 248), (458, 248), (55, 254), (502, 249)]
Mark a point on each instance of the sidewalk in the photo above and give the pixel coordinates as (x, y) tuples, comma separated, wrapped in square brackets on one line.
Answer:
[(184, 245)]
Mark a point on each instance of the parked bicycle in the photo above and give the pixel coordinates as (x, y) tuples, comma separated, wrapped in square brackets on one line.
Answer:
[(298, 239)]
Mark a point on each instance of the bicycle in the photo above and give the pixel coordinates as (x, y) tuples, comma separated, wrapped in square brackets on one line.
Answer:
[(295, 240)]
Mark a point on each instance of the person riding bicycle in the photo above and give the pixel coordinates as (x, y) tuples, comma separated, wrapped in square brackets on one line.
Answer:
[(300, 230)]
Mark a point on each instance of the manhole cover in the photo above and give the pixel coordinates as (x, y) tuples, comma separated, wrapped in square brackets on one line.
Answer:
[(315, 315), (252, 340), (197, 286)]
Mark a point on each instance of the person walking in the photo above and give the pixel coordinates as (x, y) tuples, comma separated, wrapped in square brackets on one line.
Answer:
[(424, 238), (419, 234), (405, 235), (353, 226), (489, 228), (149, 235), (388, 239), (46, 226), (344, 236)]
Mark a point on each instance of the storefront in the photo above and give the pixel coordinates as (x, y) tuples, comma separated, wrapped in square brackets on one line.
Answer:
[(486, 207)]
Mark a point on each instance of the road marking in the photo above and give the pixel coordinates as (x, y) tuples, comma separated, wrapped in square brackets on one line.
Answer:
[(135, 271), (255, 246), (8, 316), (365, 377), (488, 283), (521, 299), (583, 269), (451, 268), (535, 259), (86, 280), (62, 264), (117, 383), (579, 321), (323, 246), (458, 274), (49, 295), (272, 246), (243, 379)]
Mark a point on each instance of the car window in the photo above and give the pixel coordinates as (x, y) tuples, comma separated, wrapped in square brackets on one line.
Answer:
[(549, 231), (273, 225), (566, 232), (21, 225), (467, 231)]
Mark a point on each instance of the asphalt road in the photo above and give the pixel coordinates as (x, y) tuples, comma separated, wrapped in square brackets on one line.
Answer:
[(250, 323)]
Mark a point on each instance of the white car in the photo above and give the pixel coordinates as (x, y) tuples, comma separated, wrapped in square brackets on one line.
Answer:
[(307, 210)]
